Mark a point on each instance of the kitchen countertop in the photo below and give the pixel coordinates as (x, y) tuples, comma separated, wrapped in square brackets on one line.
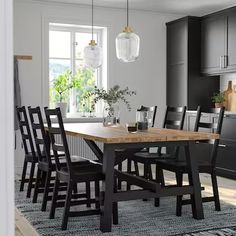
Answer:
[(227, 113)]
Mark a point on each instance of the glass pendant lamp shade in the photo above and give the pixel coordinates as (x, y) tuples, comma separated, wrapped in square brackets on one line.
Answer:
[(127, 43), (127, 46), (93, 53)]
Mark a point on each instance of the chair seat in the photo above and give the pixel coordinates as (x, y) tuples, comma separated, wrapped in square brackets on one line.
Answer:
[(30, 157), (77, 160), (123, 154), (150, 158), (82, 173), (175, 165)]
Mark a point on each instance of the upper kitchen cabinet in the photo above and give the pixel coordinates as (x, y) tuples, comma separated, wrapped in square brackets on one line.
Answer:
[(185, 85), (218, 49), (213, 43), (231, 59)]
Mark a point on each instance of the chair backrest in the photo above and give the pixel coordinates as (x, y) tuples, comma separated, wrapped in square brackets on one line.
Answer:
[(152, 110), (25, 131), (42, 141), (59, 130), (215, 126), (174, 117)]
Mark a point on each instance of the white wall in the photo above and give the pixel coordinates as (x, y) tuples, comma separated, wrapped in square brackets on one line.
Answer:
[(7, 226), (224, 80), (147, 75)]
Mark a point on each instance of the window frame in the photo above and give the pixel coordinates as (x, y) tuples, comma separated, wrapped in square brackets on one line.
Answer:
[(101, 82)]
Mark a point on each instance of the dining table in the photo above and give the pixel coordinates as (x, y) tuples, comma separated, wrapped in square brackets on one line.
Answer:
[(117, 138)]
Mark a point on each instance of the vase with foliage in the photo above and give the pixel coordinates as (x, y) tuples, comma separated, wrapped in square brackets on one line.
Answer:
[(219, 99), (111, 99), (62, 85)]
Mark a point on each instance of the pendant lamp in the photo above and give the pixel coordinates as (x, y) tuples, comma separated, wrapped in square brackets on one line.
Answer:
[(127, 43), (93, 53)]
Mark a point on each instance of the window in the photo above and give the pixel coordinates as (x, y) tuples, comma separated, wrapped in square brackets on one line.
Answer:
[(66, 46)]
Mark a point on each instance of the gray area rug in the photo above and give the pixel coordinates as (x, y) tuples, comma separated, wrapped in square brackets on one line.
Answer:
[(135, 218)]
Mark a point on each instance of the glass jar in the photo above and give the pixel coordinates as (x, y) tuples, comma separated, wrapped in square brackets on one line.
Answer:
[(111, 114), (142, 120)]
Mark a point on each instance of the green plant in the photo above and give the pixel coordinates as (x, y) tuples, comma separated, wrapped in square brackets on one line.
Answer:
[(218, 97), (63, 83), (112, 96)]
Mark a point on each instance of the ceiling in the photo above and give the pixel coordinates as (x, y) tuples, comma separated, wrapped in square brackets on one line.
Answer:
[(186, 7)]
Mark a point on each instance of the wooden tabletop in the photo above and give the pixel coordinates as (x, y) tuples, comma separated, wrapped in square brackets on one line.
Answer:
[(97, 132)]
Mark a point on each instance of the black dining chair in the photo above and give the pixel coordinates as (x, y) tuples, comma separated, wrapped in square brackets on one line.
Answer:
[(174, 119), (72, 173), (179, 166), (29, 150), (46, 160), (129, 154)]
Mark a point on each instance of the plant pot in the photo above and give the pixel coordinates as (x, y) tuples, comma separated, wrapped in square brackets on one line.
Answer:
[(63, 108), (219, 105)]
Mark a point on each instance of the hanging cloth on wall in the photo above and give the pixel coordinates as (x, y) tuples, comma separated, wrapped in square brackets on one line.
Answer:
[(17, 91)]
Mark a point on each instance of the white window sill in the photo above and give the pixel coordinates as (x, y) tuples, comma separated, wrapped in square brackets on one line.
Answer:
[(79, 119), (82, 119)]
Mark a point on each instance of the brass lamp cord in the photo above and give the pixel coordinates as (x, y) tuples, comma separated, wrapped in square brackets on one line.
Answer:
[(127, 13), (92, 19)]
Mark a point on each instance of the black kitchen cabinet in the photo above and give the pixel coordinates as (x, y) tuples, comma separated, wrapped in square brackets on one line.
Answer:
[(185, 85), (218, 49), (226, 159), (231, 57), (213, 41)]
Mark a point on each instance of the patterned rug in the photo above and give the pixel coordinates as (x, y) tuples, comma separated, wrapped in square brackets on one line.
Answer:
[(135, 218)]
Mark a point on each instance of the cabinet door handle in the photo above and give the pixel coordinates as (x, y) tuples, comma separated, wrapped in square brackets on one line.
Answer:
[(225, 61), (222, 145)]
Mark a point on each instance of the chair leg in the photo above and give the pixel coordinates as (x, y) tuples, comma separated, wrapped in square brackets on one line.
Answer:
[(120, 169), (88, 193), (145, 171), (23, 176), (46, 191), (150, 172), (136, 168), (67, 206), (179, 180), (75, 188), (36, 187), (115, 213), (97, 194), (145, 174), (115, 206), (215, 191), (30, 185), (128, 171), (159, 179), (54, 198)]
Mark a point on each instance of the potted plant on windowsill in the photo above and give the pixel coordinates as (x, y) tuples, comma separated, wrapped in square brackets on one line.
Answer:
[(111, 98), (61, 85), (219, 99)]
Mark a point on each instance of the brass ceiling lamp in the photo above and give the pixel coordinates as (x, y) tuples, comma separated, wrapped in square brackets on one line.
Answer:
[(93, 53), (127, 43)]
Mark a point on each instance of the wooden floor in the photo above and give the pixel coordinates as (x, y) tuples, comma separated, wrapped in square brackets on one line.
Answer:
[(227, 190)]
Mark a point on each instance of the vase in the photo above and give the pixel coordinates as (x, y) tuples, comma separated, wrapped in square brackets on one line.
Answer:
[(111, 114), (219, 105), (63, 108)]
